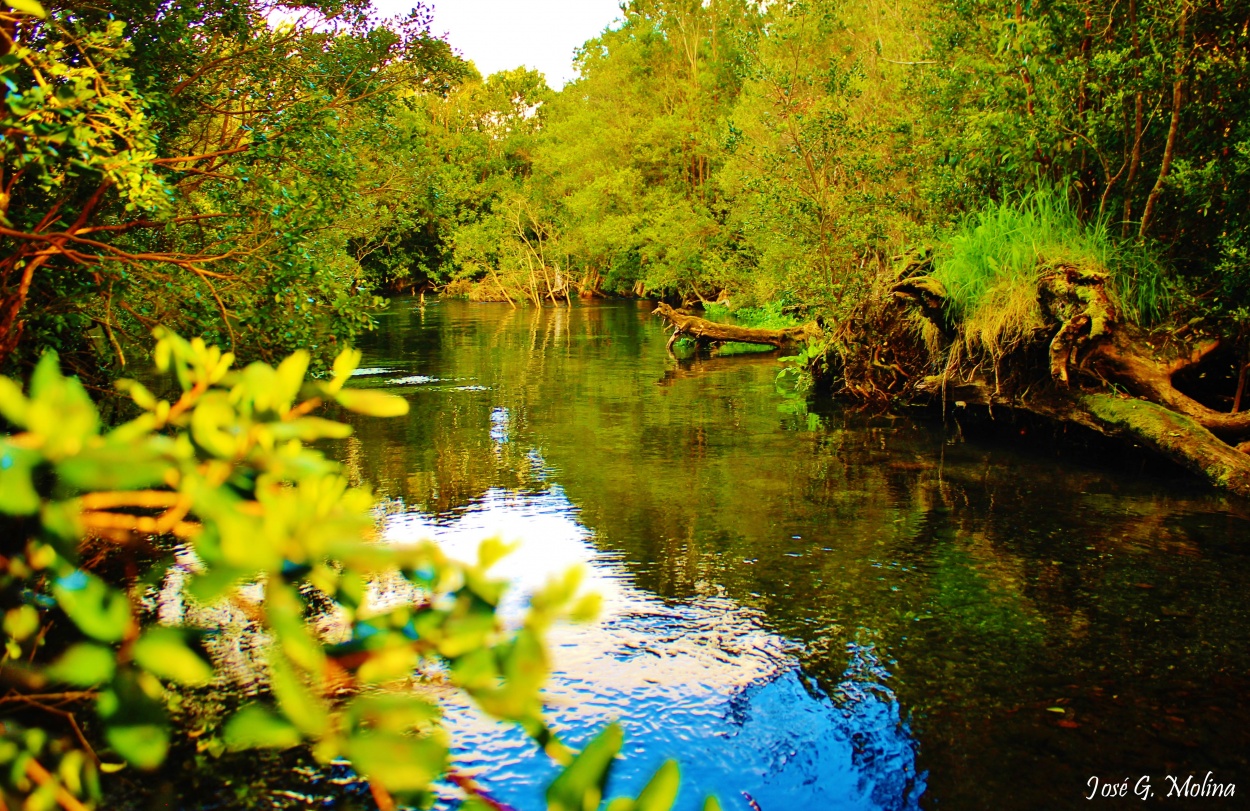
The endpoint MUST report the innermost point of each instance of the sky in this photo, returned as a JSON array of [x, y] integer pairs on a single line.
[[499, 34]]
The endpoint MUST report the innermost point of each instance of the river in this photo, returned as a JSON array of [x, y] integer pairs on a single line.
[[810, 607]]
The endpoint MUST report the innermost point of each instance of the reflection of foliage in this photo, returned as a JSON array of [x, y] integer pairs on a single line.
[[92, 517], [976, 601]]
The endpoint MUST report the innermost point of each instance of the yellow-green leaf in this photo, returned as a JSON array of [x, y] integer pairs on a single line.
[[661, 792], [27, 7], [142, 745], [164, 653], [580, 786], [255, 727], [13, 404], [98, 610], [17, 492], [84, 665], [372, 403], [402, 764]]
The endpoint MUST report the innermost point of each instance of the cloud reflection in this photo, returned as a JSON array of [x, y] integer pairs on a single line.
[[702, 681]]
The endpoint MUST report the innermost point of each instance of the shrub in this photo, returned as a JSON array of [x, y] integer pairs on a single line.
[[224, 471]]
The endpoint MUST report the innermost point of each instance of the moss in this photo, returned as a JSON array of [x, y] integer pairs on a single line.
[[1175, 435]]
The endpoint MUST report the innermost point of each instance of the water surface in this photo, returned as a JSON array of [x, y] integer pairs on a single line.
[[812, 608]]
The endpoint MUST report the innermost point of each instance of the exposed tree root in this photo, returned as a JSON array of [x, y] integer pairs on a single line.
[[1093, 357], [710, 332], [1145, 373]]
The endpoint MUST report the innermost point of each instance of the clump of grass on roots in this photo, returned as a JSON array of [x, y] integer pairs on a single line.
[[991, 265]]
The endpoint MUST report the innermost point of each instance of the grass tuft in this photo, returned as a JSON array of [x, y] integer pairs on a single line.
[[991, 264]]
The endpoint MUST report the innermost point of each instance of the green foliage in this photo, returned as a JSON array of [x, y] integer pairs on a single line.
[[222, 178], [223, 471], [990, 265], [1122, 107]]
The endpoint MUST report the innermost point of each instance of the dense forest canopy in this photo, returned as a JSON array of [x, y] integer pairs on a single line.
[[256, 171]]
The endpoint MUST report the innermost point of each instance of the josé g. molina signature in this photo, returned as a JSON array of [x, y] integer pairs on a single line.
[[1184, 786]]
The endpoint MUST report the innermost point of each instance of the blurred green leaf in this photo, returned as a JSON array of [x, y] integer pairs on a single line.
[[255, 727], [661, 791], [403, 764], [60, 411], [301, 707], [114, 467], [372, 403], [17, 491], [100, 611], [392, 712], [310, 429], [13, 404], [214, 425], [289, 376], [27, 7], [580, 786], [84, 665], [21, 622], [142, 745], [164, 653]]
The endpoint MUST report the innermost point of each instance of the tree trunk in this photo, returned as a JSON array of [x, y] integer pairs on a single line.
[[707, 332]]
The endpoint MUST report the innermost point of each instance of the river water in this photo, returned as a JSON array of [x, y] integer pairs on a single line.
[[808, 607]]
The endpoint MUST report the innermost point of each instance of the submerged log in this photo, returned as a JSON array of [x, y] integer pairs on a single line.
[[709, 332]]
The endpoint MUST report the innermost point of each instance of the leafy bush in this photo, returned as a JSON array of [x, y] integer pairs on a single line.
[[90, 517]]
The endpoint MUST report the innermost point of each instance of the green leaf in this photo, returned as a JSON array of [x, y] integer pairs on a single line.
[[310, 429], [98, 610], [580, 786], [214, 424], [164, 653], [392, 712], [61, 412], [255, 727], [21, 623], [290, 375], [138, 392], [402, 764], [113, 467], [84, 665], [211, 585], [344, 365], [303, 709], [17, 491], [27, 7], [372, 403], [63, 520], [142, 745], [13, 404], [661, 792]]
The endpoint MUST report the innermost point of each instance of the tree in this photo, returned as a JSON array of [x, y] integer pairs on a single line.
[[186, 163]]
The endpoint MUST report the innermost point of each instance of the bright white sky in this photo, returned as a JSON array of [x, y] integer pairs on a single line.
[[500, 34]]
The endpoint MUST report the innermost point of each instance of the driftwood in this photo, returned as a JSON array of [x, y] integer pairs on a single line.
[[706, 332], [1094, 357]]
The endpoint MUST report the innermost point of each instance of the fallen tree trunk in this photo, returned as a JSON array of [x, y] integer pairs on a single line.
[[1157, 428], [709, 332]]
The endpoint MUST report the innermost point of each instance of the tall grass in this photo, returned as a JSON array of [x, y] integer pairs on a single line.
[[991, 264]]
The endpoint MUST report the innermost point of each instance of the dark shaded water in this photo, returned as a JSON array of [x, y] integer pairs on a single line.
[[818, 609]]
